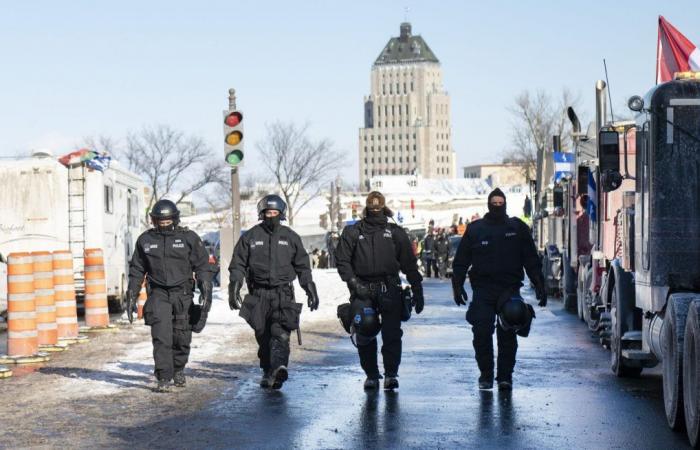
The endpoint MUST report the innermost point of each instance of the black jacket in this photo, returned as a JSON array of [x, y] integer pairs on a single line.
[[373, 253], [442, 247], [428, 245], [168, 259], [270, 259], [497, 250]]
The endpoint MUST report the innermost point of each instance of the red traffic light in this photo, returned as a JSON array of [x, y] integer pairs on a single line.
[[233, 119]]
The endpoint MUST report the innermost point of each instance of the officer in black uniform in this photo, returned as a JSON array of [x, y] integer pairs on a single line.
[[269, 256], [167, 255], [369, 256], [496, 248]]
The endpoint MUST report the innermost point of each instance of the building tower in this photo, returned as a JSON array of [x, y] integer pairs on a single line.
[[407, 114]]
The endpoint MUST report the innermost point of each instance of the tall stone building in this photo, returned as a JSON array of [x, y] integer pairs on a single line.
[[407, 114]]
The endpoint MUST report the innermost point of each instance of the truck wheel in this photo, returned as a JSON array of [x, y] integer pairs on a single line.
[[569, 283], [580, 293], [691, 374], [622, 321], [672, 336], [587, 300]]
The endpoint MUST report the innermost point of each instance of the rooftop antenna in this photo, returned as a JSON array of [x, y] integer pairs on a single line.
[[605, 66], [406, 9]]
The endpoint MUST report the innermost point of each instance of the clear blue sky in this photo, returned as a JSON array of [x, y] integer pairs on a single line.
[[77, 68]]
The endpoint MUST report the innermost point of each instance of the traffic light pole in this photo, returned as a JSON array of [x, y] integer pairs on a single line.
[[235, 183]]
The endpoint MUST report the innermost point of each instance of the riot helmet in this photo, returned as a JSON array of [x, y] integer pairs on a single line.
[[366, 323], [272, 201], [515, 314], [165, 210]]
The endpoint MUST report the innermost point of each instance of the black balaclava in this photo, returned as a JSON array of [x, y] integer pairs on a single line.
[[272, 223], [497, 212]]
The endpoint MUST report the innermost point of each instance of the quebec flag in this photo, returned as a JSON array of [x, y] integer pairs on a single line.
[[592, 208], [563, 165]]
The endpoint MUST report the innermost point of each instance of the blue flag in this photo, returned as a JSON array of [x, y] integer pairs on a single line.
[[592, 208], [399, 217]]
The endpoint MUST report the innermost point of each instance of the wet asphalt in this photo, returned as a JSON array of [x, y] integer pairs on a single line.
[[564, 396]]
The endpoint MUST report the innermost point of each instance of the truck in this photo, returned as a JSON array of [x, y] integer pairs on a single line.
[[46, 206], [639, 287]]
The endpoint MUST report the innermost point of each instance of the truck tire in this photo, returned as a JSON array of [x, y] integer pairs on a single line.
[[672, 337], [691, 374], [569, 283], [580, 292], [622, 321]]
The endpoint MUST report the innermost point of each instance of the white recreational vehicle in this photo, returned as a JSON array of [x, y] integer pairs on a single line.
[[47, 206]]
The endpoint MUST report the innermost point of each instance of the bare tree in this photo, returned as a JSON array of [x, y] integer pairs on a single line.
[[100, 144], [171, 162], [536, 118], [299, 166]]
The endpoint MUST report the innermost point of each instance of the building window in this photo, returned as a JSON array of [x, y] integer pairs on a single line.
[[404, 87], [397, 88], [386, 159], [414, 158], [109, 199], [411, 86], [414, 147], [372, 160]]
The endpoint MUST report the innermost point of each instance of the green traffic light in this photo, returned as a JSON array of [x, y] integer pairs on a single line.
[[234, 158]]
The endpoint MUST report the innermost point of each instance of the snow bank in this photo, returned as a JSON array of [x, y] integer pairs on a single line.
[[135, 367]]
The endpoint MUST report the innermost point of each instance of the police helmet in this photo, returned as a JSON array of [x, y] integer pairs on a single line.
[[165, 210], [514, 314], [365, 321], [272, 202]]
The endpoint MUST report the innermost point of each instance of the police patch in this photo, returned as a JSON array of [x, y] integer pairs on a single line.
[[283, 243]]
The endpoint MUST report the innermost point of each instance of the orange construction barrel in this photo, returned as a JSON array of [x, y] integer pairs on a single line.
[[142, 300], [64, 294], [96, 310], [44, 298], [22, 335]]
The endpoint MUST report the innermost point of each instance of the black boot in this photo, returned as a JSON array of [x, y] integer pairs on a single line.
[[279, 376], [179, 379]]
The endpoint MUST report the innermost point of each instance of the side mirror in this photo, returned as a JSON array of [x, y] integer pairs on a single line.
[[635, 103], [609, 159]]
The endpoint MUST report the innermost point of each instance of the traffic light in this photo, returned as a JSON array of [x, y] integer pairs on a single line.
[[323, 221], [354, 210], [233, 137]]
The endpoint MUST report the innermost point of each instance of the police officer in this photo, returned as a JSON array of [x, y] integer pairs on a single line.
[[167, 255], [370, 254], [268, 257], [496, 248]]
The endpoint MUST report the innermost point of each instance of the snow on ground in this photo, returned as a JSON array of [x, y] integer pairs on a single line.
[[223, 328]]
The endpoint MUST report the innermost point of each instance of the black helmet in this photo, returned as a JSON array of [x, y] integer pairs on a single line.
[[515, 314], [164, 210], [365, 321], [272, 202]]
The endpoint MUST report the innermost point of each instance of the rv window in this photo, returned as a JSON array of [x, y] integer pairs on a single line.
[[109, 199]]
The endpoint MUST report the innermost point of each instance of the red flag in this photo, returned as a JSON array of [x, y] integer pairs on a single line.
[[674, 53]]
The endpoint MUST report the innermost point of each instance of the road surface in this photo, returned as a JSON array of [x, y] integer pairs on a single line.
[[564, 396]]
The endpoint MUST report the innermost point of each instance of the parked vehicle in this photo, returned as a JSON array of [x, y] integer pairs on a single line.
[[639, 288], [46, 206]]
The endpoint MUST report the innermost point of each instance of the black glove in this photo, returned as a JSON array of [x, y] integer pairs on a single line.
[[358, 289], [131, 305], [541, 294], [205, 288], [234, 295], [311, 295], [418, 300], [458, 292]]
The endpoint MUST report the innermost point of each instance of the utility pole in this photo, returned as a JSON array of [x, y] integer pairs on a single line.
[[235, 182]]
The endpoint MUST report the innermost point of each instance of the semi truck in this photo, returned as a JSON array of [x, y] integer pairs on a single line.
[[638, 287], [46, 206]]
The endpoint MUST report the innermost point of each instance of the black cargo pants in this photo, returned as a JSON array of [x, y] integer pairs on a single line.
[[167, 313], [482, 316], [387, 298], [282, 318]]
